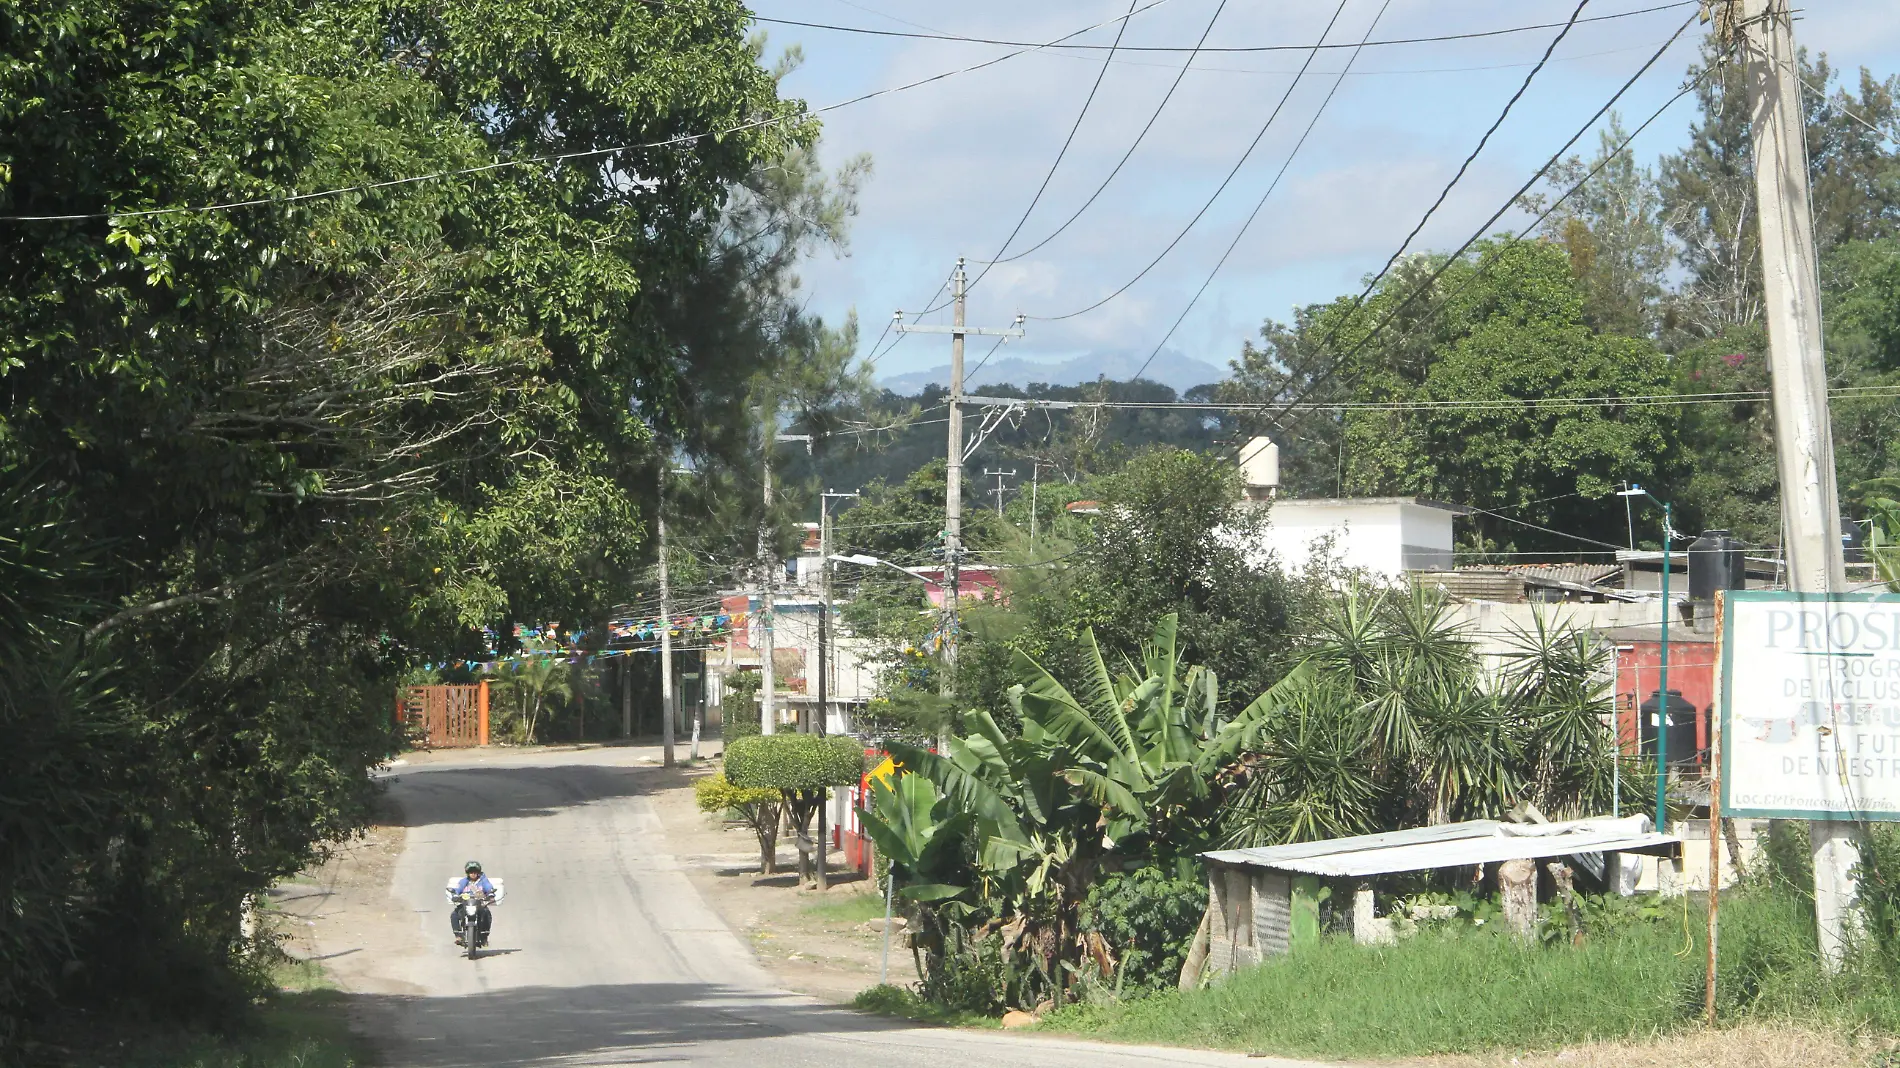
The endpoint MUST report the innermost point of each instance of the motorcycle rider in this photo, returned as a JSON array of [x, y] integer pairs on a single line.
[[473, 881]]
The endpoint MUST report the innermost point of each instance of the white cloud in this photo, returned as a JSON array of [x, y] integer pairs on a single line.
[[957, 161]]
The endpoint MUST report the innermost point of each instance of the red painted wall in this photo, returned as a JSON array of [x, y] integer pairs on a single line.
[[1638, 674]]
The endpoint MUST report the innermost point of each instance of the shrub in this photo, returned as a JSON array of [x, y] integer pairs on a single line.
[[794, 762], [1147, 917], [738, 711], [758, 808]]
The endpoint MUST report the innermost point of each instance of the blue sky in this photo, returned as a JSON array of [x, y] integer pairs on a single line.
[[956, 162]]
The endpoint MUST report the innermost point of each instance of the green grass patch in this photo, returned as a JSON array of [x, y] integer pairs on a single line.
[[904, 1004], [846, 908], [1436, 993], [1467, 990]]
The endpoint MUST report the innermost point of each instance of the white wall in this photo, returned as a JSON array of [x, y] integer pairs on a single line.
[[1385, 536]]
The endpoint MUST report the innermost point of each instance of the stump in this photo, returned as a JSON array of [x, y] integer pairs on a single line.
[[1517, 885]]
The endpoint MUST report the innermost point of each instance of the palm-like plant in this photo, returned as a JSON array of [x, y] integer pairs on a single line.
[[1557, 683], [528, 684], [1303, 770]]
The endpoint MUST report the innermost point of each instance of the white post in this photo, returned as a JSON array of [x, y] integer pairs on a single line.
[[768, 704], [1804, 443], [666, 643]]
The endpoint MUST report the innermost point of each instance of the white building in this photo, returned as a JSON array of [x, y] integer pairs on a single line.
[[1387, 536]]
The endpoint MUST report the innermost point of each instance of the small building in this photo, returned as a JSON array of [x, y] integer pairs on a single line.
[[1387, 536], [1263, 901]]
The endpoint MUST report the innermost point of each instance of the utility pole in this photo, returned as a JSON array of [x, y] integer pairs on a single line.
[[953, 475], [768, 579], [1035, 482], [666, 635], [1804, 443], [824, 608], [1000, 474]]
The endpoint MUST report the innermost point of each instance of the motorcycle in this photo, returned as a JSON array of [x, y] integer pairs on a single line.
[[470, 907]]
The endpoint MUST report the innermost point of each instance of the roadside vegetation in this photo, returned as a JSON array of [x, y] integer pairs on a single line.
[[259, 466]]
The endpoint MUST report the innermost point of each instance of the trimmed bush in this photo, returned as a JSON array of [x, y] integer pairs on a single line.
[[793, 762], [758, 808]]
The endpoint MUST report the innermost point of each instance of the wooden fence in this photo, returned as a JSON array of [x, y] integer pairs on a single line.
[[446, 717]]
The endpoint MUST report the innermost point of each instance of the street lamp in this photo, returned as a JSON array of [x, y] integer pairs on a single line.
[[1662, 709], [866, 560]]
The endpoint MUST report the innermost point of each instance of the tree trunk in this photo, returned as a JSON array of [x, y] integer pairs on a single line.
[[1517, 885], [1196, 961]]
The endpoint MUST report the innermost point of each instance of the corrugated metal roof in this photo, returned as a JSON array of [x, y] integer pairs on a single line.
[[1453, 845]]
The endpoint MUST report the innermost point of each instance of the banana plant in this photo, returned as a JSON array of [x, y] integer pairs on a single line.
[[909, 822]]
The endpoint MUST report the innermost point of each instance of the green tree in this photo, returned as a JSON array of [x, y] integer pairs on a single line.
[[1611, 227], [327, 438]]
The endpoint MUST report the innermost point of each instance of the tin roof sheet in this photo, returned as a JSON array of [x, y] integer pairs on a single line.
[[1453, 845]]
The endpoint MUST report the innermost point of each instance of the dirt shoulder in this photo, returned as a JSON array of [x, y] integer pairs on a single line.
[[825, 944]]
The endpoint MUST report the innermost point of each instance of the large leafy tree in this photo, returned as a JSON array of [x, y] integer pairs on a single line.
[[310, 436], [1458, 365]]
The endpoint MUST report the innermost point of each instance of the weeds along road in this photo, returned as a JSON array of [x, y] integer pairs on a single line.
[[603, 952]]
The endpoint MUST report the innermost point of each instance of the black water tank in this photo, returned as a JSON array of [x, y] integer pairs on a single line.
[[1715, 563], [1682, 747], [1853, 541]]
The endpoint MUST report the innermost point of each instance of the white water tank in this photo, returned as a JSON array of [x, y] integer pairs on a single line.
[[1260, 464]]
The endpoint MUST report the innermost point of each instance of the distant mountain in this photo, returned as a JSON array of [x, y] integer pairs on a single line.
[[1171, 369]]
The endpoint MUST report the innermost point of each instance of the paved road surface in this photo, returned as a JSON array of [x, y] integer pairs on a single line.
[[603, 952]]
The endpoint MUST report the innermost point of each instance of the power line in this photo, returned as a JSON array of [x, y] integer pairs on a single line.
[[1480, 404], [1238, 164], [561, 157], [1478, 234], [965, 39], [1179, 76], [1262, 202], [1060, 153], [1466, 165]]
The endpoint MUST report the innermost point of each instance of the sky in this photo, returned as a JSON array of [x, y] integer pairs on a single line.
[[955, 163]]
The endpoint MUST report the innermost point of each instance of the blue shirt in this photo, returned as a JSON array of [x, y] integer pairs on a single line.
[[480, 882]]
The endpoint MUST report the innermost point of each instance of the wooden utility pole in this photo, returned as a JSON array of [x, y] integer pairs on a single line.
[[1804, 441], [953, 475]]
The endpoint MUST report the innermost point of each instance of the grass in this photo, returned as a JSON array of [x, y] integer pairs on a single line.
[[904, 1004], [848, 908], [1477, 990]]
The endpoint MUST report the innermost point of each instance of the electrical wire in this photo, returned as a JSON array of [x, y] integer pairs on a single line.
[[1179, 77], [561, 157], [1515, 198], [1222, 188], [1262, 202], [984, 360], [1469, 159], [964, 39], [1062, 152], [1483, 404]]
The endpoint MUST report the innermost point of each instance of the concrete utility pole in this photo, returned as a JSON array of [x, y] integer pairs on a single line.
[[953, 476], [1000, 475], [767, 582], [1804, 441], [666, 637], [824, 608], [768, 579]]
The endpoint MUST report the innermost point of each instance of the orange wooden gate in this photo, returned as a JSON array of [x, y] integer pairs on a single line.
[[447, 717]]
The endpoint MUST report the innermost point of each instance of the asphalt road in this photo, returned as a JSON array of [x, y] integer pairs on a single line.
[[603, 952]]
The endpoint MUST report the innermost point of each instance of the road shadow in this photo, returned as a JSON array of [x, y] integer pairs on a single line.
[[425, 796], [621, 1023]]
